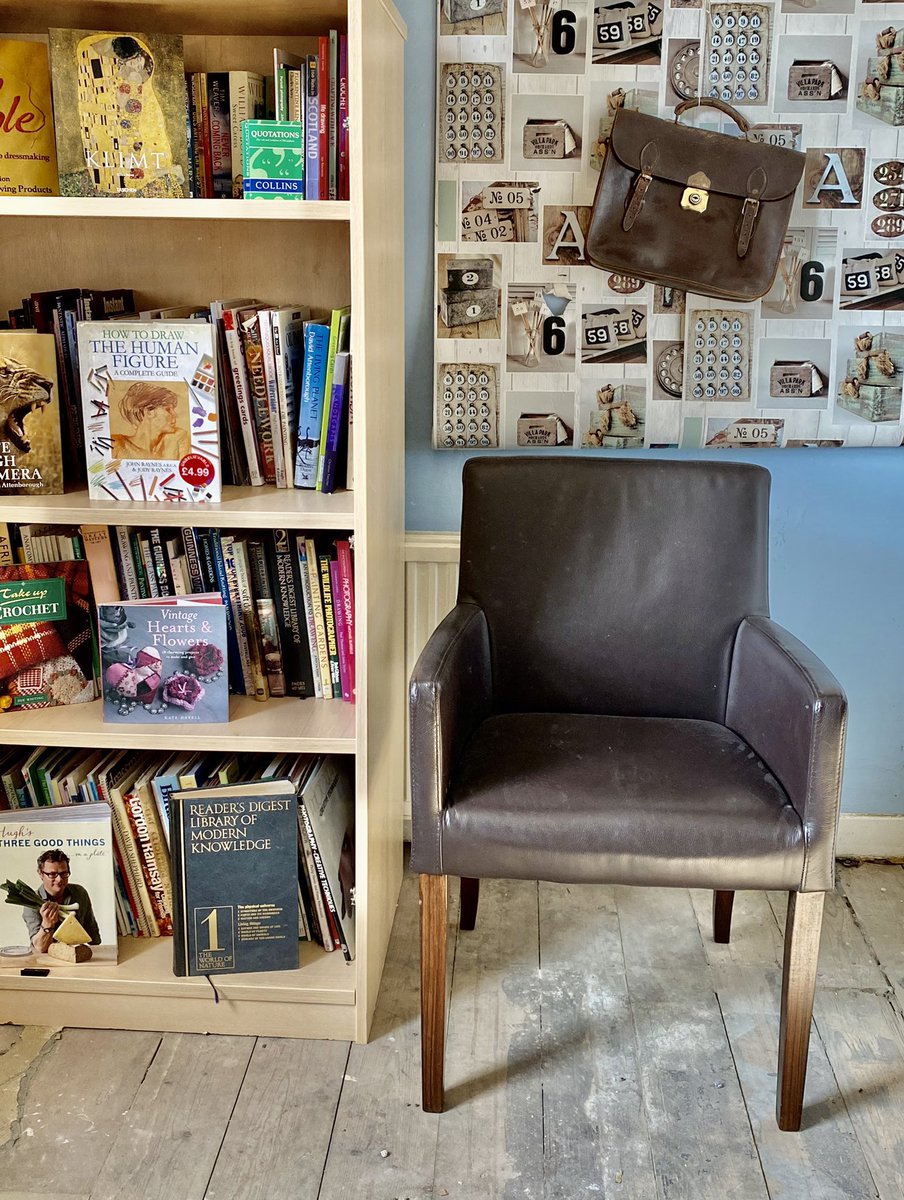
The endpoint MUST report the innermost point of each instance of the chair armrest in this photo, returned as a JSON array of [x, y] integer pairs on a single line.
[[792, 712], [450, 694]]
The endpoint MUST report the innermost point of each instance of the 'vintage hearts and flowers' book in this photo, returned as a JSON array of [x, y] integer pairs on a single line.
[[164, 660]]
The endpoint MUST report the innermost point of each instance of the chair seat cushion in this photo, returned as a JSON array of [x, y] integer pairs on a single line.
[[578, 798]]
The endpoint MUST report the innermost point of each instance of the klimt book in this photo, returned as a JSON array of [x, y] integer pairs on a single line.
[[31, 457], [119, 104], [164, 661], [27, 149], [47, 647], [235, 878], [62, 856], [149, 395]]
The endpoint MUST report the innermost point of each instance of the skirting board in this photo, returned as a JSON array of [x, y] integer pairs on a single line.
[[431, 582]]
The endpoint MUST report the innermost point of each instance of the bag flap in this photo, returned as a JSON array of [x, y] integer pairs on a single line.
[[682, 151]]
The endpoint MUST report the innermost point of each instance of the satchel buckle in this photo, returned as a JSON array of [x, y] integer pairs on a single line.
[[695, 199]]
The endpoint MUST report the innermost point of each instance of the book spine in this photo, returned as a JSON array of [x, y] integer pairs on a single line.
[[220, 136], [312, 131], [128, 579], [150, 570], [337, 414], [101, 564], [246, 99], [294, 107], [284, 397], [332, 912], [198, 103], [271, 648], [193, 189], [136, 557], [209, 581], [329, 620], [242, 396], [281, 92], [287, 595], [318, 899], [323, 114], [235, 660], [177, 870], [332, 348], [347, 601], [152, 860], [235, 465], [160, 565], [266, 325], [333, 171], [308, 599], [192, 559], [341, 629], [247, 614], [343, 154], [310, 408], [204, 94], [227, 556], [250, 334], [323, 657]]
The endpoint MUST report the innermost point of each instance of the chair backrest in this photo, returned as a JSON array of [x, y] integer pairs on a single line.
[[613, 586]]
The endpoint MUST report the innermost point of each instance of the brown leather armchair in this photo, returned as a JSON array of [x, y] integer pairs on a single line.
[[609, 702]]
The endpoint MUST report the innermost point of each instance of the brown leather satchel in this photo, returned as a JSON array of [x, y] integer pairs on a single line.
[[692, 209]]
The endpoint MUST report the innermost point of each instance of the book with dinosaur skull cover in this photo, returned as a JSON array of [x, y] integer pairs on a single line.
[[31, 457]]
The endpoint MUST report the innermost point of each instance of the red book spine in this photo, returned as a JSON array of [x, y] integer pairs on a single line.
[[323, 104]]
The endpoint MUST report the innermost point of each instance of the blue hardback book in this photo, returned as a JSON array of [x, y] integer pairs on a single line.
[[338, 416], [310, 403], [235, 878], [311, 102], [164, 661]]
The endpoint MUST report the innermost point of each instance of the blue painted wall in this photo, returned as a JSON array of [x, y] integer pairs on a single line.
[[837, 557]]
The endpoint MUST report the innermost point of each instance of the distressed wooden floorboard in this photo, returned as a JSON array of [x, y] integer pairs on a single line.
[[168, 1141], [490, 1140], [70, 1108], [876, 894], [380, 1106], [594, 1122]]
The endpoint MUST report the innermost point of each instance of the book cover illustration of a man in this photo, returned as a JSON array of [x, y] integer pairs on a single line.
[[150, 420]]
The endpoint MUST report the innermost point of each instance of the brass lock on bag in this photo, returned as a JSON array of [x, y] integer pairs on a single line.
[[696, 195]]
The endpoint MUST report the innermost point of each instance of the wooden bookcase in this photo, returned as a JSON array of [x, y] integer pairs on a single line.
[[324, 254]]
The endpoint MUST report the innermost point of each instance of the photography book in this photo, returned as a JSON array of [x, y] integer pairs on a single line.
[[235, 878], [149, 395], [47, 646], [83, 834], [31, 456], [119, 101], [164, 661]]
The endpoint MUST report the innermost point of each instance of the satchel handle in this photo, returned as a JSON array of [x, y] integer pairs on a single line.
[[742, 123]]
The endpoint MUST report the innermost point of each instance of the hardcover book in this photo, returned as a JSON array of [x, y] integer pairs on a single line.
[[27, 149], [47, 648], [149, 396], [119, 100], [235, 878], [31, 457], [75, 843], [164, 661], [327, 807]]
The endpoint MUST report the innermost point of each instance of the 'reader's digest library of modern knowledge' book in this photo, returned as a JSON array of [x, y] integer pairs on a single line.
[[235, 878], [149, 395]]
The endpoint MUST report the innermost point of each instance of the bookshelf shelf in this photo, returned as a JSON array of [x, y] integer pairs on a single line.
[[240, 508], [176, 210], [315, 726], [325, 255]]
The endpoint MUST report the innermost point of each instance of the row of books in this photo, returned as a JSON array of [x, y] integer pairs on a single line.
[[288, 600], [125, 119], [168, 404], [154, 800]]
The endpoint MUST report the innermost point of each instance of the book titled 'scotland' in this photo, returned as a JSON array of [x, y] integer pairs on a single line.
[[235, 878]]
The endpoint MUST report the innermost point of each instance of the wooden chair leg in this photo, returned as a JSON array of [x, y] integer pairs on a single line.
[[802, 929], [722, 905], [467, 909], [434, 909]]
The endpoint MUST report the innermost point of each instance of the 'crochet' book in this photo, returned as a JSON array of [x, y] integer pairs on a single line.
[[47, 647]]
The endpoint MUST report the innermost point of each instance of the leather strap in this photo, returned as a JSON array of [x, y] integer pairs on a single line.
[[634, 204], [742, 123], [756, 185]]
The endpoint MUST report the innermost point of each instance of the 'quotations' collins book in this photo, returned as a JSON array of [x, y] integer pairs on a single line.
[[28, 165], [31, 459], [119, 101], [235, 878], [164, 661], [149, 396]]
